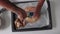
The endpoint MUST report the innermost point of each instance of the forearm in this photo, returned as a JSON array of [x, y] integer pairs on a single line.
[[10, 6], [39, 6]]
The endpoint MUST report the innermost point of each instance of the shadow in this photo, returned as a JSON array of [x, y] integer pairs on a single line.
[[52, 3]]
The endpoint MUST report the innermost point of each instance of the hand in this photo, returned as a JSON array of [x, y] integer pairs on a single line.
[[18, 23], [21, 15]]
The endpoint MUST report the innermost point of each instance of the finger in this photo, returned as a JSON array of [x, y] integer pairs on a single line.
[[20, 17]]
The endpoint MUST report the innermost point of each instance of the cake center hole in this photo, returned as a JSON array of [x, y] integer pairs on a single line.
[[30, 14]]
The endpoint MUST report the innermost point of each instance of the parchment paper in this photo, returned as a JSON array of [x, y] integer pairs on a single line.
[[44, 19]]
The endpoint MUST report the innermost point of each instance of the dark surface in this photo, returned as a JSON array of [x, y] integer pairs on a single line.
[[33, 29]]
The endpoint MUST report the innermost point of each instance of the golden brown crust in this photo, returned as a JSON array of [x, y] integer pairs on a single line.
[[30, 9]]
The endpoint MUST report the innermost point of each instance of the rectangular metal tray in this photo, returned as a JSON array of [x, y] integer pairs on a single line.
[[47, 27]]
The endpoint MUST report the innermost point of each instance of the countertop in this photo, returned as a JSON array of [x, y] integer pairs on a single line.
[[55, 10]]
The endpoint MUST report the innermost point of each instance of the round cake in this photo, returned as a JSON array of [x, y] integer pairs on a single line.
[[30, 13]]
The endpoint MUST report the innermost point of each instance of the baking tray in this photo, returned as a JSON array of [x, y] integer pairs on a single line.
[[47, 27]]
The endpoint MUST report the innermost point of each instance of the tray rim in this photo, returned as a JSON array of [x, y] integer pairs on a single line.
[[48, 27]]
